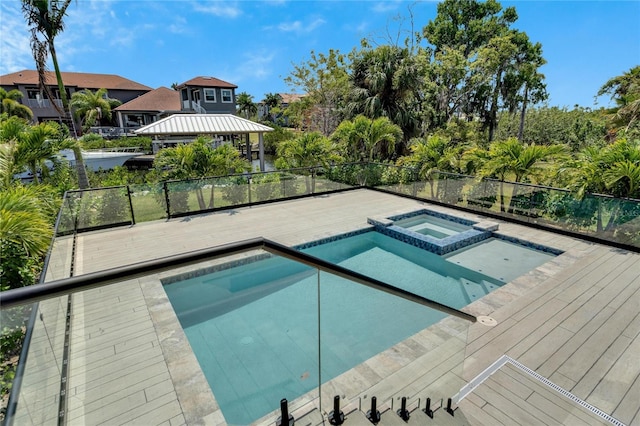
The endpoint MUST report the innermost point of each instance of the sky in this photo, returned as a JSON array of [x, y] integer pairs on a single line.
[[254, 44]]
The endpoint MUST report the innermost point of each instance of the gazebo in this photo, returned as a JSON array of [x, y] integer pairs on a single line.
[[192, 125]]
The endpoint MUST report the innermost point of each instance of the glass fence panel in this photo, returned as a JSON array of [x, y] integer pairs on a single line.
[[39, 396], [399, 180], [266, 187], [252, 324], [626, 223], [480, 194], [325, 183], [416, 355], [149, 202], [230, 191], [190, 196], [293, 185], [68, 213], [102, 208], [60, 258]]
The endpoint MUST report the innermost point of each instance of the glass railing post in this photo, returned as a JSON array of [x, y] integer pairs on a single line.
[[165, 190], [133, 217]]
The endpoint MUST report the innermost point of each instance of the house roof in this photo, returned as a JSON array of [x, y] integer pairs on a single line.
[[288, 98], [160, 99], [202, 124], [73, 79], [208, 82]]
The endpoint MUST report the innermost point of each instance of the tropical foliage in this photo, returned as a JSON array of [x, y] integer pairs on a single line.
[[245, 104], [9, 104], [367, 139], [46, 21], [90, 108]]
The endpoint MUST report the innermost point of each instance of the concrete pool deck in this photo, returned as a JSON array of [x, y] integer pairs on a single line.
[[574, 320]]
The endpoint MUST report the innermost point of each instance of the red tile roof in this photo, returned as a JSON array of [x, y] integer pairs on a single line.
[[161, 99], [208, 82], [73, 79]]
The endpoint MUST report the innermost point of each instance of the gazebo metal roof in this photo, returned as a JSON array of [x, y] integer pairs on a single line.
[[202, 124]]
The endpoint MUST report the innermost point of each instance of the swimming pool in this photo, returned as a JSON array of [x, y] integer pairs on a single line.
[[254, 328]]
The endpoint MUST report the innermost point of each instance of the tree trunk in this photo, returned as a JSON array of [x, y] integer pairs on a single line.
[[522, 114], [83, 180], [493, 113]]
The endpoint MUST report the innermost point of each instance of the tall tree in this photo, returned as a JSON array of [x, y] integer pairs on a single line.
[[385, 83], [480, 64], [90, 107], [272, 103], [625, 91], [246, 105], [324, 81], [45, 17], [9, 104]]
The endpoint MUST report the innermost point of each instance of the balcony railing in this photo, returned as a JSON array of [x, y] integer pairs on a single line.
[[606, 219]]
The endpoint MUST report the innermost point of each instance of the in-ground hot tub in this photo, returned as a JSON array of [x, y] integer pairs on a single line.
[[436, 232]]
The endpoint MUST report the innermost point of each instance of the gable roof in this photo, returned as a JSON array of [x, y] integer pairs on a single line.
[[161, 99], [73, 79], [202, 124], [208, 82]]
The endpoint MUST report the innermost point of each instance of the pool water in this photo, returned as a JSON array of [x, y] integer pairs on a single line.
[[433, 226], [254, 328]]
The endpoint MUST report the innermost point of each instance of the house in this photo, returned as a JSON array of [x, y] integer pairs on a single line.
[[286, 99], [27, 82], [148, 108], [207, 95]]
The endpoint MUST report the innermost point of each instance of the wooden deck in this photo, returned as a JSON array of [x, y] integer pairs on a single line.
[[574, 320]]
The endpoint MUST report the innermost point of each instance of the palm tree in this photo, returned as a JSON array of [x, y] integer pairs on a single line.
[[510, 158], [199, 160], [9, 104], [36, 145], [90, 107], [45, 17], [246, 105], [26, 213], [307, 151], [367, 139], [272, 102], [625, 91], [385, 84]]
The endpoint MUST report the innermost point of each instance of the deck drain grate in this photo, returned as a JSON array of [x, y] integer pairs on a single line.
[[480, 378]]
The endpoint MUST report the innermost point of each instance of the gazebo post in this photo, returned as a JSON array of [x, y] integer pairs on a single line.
[[261, 151], [247, 145]]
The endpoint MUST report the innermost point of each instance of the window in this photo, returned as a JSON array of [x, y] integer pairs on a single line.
[[227, 96], [33, 93], [209, 95]]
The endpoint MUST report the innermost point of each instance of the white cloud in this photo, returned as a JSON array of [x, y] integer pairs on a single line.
[[179, 26], [387, 6], [15, 49], [300, 28], [219, 8], [255, 65]]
